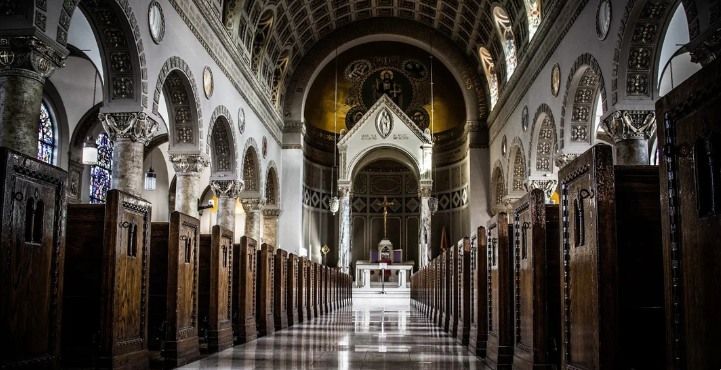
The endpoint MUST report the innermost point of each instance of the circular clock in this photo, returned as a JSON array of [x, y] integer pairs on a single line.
[[208, 84], [241, 121], [555, 79], [603, 19], [156, 22]]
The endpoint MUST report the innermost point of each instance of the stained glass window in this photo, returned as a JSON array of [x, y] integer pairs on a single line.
[[100, 172], [46, 136]]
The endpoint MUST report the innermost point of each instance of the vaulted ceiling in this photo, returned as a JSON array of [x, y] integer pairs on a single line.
[[275, 35]]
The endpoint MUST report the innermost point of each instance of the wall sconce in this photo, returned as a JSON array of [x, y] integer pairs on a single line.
[[210, 204], [150, 179], [90, 151]]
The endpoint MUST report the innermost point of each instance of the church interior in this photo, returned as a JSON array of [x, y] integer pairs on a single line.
[[346, 184]]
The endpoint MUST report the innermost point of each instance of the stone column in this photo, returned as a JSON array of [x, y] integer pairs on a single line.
[[344, 252], [424, 239], [25, 63], [270, 226], [548, 185], [187, 184], [227, 192], [253, 208], [631, 131], [129, 133]]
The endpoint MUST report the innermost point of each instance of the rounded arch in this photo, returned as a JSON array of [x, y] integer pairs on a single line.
[[584, 85], [372, 30], [177, 84], [121, 45], [222, 148], [498, 185], [533, 16], [489, 69], [545, 138], [385, 151], [251, 166], [504, 27], [262, 36], [517, 167], [272, 186]]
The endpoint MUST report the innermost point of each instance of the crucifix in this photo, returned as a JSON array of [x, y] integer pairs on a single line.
[[385, 205]]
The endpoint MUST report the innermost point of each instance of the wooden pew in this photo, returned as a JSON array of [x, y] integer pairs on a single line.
[[447, 286], [326, 289], [173, 298], [499, 348], [216, 289], [303, 287], [310, 291], [32, 250], [317, 279], [454, 287], [443, 302], [478, 336], [612, 277], [688, 129], [464, 296], [437, 309], [536, 281], [264, 292], [280, 291], [106, 290], [245, 267], [292, 289]]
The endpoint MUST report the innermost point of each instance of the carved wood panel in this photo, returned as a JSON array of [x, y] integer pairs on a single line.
[[499, 347], [479, 293], [244, 264]]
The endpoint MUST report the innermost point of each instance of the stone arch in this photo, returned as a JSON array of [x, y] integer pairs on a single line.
[[221, 143], [585, 82], [272, 186], [251, 166], [177, 84], [504, 27], [121, 46], [279, 75], [498, 184], [546, 139], [261, 37], [517, 167]]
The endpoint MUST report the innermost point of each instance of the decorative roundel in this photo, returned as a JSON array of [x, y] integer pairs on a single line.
[[504, 146], [357, 69], [241, 121], [353, 116], [603, 19], [208, 83], [420, 117], [524, 119], [156, 22], [415, 69], [555, 79], [264, 149]]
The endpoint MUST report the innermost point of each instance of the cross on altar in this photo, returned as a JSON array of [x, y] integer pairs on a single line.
[[385, 205]]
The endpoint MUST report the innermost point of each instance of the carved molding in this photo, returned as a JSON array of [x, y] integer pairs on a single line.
[[227, 188], [135, 126], [252, 205], [188, 163], [29, 56], [272, 212], [630, 125], [547, 185]]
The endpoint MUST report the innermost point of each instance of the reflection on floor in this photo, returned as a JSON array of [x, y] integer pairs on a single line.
[[369, 336]]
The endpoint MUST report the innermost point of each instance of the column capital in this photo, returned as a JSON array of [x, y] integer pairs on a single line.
[[134, 126], [188, 163], [272, 212], [343, 191], [630, 124], [30, 56], [562, 159], [227, 188], [546, 184], [252, 204]]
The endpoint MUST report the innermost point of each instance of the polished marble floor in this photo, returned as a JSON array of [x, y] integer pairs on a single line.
[[367, 336]]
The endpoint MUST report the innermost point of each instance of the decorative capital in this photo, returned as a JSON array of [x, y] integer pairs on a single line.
[[547, 185], [29, 56], [227, 188], [252, 204], [343, 191], [631, 124], [425, 191], [271, 212], [189, 163], [135, 126], [562, 159]]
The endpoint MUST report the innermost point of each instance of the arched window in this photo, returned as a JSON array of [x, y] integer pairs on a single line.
[[505, 31], [46, 135], [533, 13], [100, 172], [489, 67]]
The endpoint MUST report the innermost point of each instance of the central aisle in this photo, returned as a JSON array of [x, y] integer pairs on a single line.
[[370, 336]]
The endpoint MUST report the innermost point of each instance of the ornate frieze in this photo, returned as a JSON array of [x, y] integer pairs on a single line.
[[135, 126], [630, 124], [29, 56], [188, 163]]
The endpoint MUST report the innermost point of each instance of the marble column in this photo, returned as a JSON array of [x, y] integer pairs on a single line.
[[130, 132], [270, 226], [424, 239], [227, 192], [345, 229], [253, 208], [187, 184], [25, 63], [631, 131]]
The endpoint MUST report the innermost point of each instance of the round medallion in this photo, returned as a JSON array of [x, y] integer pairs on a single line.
[[603, 19], [555, 79], [420, 117], [353, 116], [357, 69], [524, 119], [264, 149], [241, 121], [156, 22], [415, 69], [504, 146], [208, 84]]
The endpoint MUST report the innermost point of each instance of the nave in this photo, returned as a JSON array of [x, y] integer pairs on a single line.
[[362, 337]]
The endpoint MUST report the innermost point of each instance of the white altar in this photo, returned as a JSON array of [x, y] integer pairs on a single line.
[[363, 275]]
